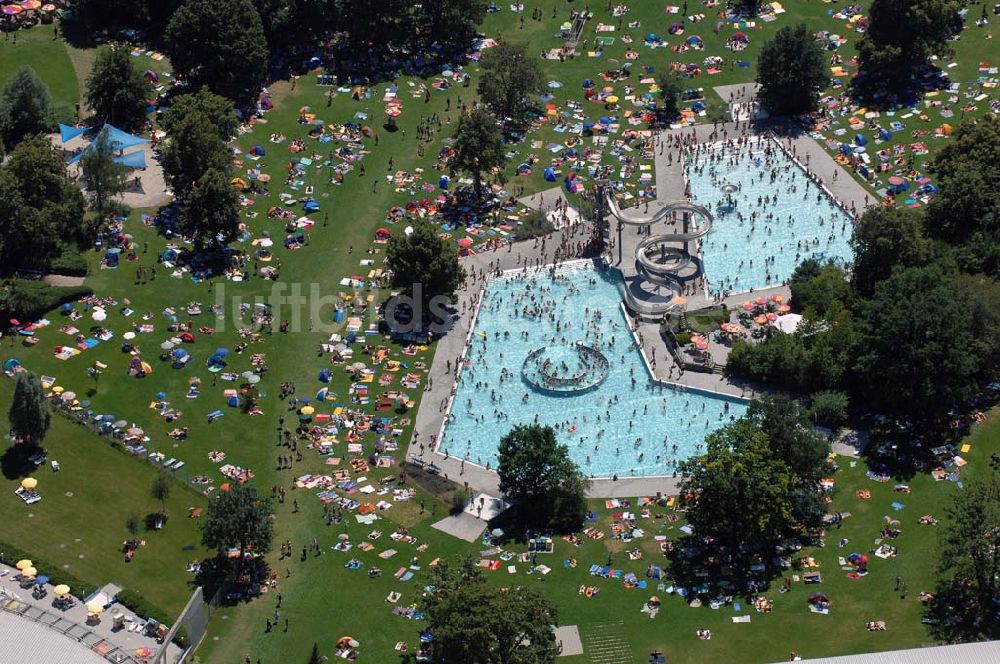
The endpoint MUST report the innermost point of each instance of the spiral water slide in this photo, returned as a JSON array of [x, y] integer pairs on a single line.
[[657, 258]]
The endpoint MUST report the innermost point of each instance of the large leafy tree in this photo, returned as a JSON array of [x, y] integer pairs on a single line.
[[900, 37], [791, 71], [479, 145], [450, 22], [41, 209], [194, 146], [541, 480], [966, 212], [755, 486], [819, 291], [29, 412], [510, 77], [117, 92], [969, 564], [372, 25], [215, 109], [210, 214], [927, 339], [671, 86], [883, 240], [103, 176], [25, 106], [239, 517], [478, 623], [425, 263], [220, 44]]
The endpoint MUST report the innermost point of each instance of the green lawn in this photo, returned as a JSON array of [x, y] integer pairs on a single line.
[[80, 522], [322, 599], [38, 47]]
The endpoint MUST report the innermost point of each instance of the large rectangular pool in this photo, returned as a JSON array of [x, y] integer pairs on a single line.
[[769, 216], [523, 366]]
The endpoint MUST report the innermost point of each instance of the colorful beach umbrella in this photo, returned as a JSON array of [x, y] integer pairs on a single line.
[[62, 590], [11, 10]]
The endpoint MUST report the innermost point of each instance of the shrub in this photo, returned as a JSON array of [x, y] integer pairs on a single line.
[[71, 263], [534, 224], [829, 408], [683, 338], [459, 499], [25, 299]]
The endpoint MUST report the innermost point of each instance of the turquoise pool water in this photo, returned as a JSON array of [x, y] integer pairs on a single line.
[[780, 217], [623, 426]]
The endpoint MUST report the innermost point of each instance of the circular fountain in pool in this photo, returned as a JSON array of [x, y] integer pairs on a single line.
[[565, 369]]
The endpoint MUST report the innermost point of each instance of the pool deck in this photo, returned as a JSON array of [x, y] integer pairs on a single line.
[[670, 187]]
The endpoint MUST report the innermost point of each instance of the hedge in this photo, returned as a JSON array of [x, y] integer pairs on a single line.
[[71, 263], [27, 300], [10, 554]]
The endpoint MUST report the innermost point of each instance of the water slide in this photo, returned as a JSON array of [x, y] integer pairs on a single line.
[[657, 258]]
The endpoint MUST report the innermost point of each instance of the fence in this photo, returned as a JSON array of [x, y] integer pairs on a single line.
[[194, 619]]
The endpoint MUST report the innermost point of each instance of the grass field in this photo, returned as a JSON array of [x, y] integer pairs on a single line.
[[322, 599], [38, 48]]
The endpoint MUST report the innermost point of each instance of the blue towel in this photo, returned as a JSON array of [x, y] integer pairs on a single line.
[[897, 506], [736, 607]]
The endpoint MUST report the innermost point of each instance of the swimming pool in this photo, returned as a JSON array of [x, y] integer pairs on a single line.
[[759, 242], [621, 425]]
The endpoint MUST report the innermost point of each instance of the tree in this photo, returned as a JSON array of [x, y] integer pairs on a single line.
[[424, 264], [160, 490], [969, 564], [509, 78], [541, 481], [884, 239], [926, 339], [821, 289], [102, 175], [193, 148], [671, 85], [41, 209], [132, 524], [966, 212], [479, 145], [29, 412], [478, 623], [372, 26], [749, 492], [25, 106], [451, 22], [215, 109], [117, 92], [791, 72], [210, 214], [900, 37], [314, 656], [239, 517], [220, 44], [828, 407]]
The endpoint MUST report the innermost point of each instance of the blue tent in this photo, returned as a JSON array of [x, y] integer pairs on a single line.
[[11, 364], [178, 353], [132, 160], [67, 133], [549, 174], [311, 205], [444, 182], [118, 140], [859, 139], [324, 376], [884, 134]]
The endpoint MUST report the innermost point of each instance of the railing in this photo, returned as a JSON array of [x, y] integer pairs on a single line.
[[79, 633]]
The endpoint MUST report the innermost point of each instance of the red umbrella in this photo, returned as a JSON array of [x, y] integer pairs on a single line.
[[465, 242], [31, 4], [12, 10]]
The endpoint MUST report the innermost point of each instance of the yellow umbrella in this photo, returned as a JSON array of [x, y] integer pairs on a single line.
[[58, 389], [95, 607], [24, 564], [62, 589], [307, 410], [613, 99], [29, 483], [29, 572]]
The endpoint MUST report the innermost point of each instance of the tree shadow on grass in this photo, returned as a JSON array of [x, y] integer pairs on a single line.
[[15, 462]]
